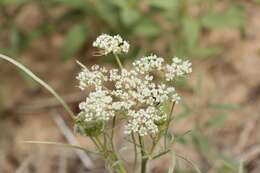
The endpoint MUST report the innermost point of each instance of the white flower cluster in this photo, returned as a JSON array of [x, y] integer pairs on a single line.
[[149, 63], [111, 44], [97, 106], [134, 93], [95, 77], [177, 68], [144, 121]]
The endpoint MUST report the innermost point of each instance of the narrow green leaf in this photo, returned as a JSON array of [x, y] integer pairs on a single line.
[[164, 4], [216, 120], [205, 52], [241, 167], [191, 29], [129, 16], [14, 39], [233, 17], [160, 154], [147, 28], [191, 163], [74, 40], [173, 162]]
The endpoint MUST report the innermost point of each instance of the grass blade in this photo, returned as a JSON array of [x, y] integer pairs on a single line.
[[173, 163], [196, 168], [38, 80]]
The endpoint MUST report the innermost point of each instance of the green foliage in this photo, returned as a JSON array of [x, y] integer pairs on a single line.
[[73, 41], [92, 128], [233, 17], [171, 21]]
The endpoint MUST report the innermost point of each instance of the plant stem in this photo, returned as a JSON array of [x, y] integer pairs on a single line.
[[167, 126], [112, 133], [121, 169], [143, 155], [135, 150], [118, 61]]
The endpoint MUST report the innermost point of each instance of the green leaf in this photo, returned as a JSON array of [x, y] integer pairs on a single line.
[[205, 52], [164, 4], [74, 40], [191, 30], [256, 1], [12, 2], [74, 3], [147, 28], [216, 120], [229, 165], [15, 39], [129, 16], [107, 11], [201, 143], [233, 17]]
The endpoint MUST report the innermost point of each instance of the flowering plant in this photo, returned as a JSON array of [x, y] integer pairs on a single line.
[[134, 99]]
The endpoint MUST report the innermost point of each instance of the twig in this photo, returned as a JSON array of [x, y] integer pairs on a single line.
[[250, 155], [24, 164], [87, 162], [63, 163], [244, 136]]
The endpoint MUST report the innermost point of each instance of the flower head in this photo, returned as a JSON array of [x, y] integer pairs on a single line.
[[111, 44], [97, 106], [137, 95], [148, 63], [177, 68]]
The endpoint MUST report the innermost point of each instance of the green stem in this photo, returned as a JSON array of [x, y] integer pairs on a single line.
[[167, 126], [120, 167], [135, 150], [118, 61], [143, 155], [155, 142], [112, 133]]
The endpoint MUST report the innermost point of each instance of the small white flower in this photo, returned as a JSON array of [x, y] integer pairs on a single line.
[[143, 121], [97, 106], [111, 44], [148, 63], [94, 77], [177, 68]]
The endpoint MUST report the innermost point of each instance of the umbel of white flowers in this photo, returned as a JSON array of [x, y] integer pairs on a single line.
[[111, 44], [135, 95]]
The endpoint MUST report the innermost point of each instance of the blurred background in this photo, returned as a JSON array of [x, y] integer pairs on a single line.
[[217, 123]]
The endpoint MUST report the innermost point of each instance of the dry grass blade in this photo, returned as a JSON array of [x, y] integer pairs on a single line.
[[72, 140], [22, 168]]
